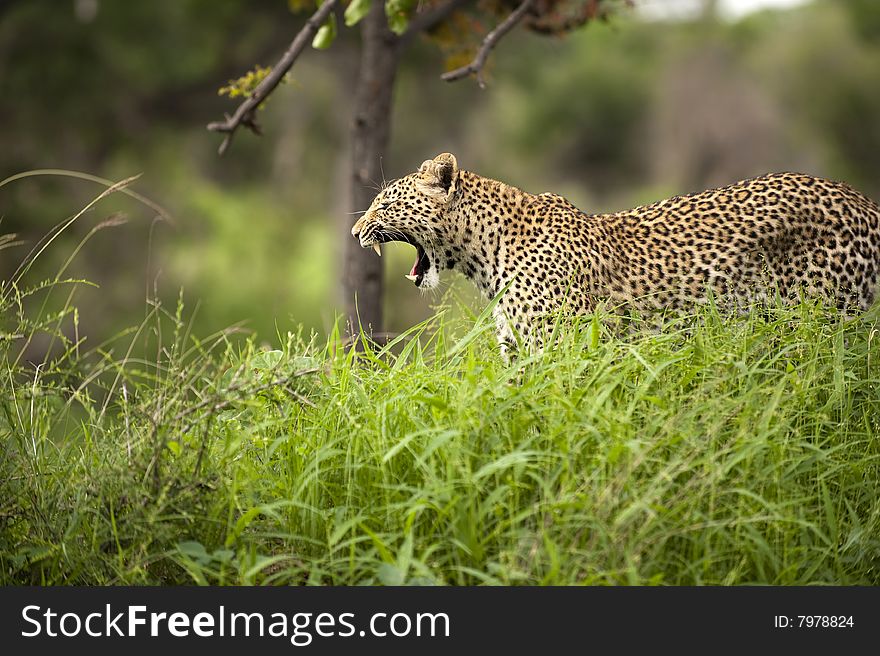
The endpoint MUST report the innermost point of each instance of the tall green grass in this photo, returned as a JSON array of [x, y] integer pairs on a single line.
[[715, 450]]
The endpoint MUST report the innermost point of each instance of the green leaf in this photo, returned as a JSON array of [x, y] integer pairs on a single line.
[[223, 555], [594, 332], [355, 11], [267, 359], [195, 550], [384, 553], [390, 575], [397, 12], [325, 36]]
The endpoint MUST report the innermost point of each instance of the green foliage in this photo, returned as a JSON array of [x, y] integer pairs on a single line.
[[326, 34], [597, 130], [865, 15], [233, 279], [246, 84], [398, 13], [355, 11], [715, 450]]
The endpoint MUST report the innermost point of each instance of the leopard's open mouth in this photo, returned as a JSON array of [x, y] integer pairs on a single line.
[[422, 264]]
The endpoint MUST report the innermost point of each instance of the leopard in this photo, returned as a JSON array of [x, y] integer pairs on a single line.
[[777, 236]]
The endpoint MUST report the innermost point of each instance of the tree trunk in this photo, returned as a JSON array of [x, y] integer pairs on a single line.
[[370, 132]]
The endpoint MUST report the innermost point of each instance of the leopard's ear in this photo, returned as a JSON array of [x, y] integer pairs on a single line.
[[446, 166], [440, 171]]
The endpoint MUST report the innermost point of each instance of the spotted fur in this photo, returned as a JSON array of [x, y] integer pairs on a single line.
[[775, 235]]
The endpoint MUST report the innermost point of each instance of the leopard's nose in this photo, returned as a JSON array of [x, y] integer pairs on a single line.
[[356, 228]]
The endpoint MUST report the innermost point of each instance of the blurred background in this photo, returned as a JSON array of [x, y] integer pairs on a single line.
[[669, 97]]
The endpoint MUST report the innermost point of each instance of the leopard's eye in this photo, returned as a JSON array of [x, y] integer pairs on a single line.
[[387, 204]]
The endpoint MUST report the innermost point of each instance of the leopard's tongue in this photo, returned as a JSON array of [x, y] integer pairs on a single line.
[[420, 268]]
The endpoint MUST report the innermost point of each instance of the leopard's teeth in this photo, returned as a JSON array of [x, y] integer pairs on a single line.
[[410, 278], [378, 249]]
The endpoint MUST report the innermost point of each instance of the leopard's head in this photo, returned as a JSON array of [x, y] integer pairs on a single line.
[[413, 209]]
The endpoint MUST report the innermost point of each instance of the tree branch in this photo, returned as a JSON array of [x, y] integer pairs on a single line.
[[428, 20], [244, 115], [491, 40], [555, 24]]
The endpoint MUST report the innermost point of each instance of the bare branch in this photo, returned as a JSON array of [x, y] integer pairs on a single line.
[[428, 20], [245, 114], [491, 40]]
